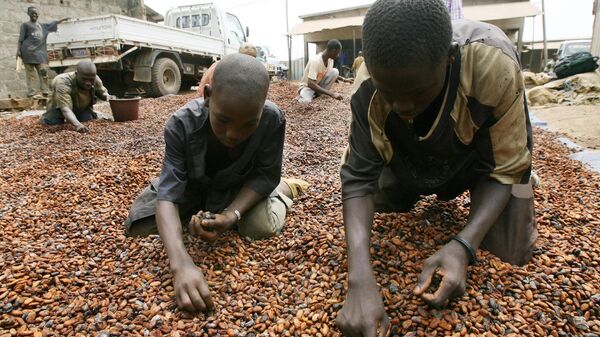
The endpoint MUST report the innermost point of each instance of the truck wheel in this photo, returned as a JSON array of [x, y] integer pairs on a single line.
[[166, 78]]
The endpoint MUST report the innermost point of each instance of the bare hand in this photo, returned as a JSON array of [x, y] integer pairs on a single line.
[[450, 262], [363, 313], [82, 129], [191, 290], [337, 96], [209, 226]]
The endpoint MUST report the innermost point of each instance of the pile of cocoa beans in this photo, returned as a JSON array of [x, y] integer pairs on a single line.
[[67, 269]]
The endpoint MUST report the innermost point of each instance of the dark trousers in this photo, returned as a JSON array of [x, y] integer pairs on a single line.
[[513, 235], [85, 116]]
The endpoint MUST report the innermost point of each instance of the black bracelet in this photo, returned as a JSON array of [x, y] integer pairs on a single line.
[[467, 247]]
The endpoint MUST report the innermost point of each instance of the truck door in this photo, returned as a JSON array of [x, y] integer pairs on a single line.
[[235, 34]]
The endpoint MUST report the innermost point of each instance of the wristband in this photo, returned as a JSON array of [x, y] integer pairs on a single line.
[[237, 213], [467, 246]]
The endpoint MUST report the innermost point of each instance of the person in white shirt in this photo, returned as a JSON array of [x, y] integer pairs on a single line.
[[320, 74]]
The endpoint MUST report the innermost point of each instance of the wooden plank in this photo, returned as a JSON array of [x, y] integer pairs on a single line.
[[16, 103]]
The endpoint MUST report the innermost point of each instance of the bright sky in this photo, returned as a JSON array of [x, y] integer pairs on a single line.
[[565, 19], [266, 18]]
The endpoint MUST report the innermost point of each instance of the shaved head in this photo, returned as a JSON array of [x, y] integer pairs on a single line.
[[86, 66], [241, 76], [86, 74], [239, 91]]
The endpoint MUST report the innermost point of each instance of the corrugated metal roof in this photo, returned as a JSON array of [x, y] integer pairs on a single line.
[[335, 11], [492, 12], [500, 11], [325, 24]]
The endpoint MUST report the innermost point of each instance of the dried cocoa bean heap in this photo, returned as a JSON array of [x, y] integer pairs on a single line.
[[66, 268]]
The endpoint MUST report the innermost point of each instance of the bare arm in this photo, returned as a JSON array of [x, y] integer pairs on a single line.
[[191, 290], [318, 89], [171, 233], [488, 200], [22, 33], [358, 217], [363, 313], [71, 118]]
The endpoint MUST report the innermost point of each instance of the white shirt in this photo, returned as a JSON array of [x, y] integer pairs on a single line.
[[315, 69]]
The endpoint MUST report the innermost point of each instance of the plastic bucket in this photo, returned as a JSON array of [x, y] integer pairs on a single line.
[[125, 109]]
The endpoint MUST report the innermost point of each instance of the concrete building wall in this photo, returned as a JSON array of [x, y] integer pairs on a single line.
[[14, 12]]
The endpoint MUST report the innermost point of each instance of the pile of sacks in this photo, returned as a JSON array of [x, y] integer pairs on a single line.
[[577, 89]]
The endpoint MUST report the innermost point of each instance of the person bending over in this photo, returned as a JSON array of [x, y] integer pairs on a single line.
[[438, 109], [221, 171], [73, 96], [319, 74]]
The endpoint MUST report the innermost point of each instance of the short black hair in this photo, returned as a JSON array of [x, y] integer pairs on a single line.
[[400, 32], [30, 8], [334, 44], [241, 75]]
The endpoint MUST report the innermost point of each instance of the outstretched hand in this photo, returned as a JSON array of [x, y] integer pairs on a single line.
[[191, 290], [82, 129], [363, 313], [450, 262]]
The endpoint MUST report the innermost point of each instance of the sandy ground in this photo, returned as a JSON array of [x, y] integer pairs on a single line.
[[581, 123]]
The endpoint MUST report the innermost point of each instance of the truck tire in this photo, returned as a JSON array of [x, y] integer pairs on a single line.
[[166, 78]]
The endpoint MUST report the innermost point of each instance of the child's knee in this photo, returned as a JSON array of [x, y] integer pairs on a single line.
[[266, 219], [141, 228]]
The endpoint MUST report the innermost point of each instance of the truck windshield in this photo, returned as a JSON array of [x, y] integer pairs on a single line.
[[235, 28], [577, 47]]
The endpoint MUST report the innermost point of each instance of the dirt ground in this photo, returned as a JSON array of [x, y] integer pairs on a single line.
[[580, 123]]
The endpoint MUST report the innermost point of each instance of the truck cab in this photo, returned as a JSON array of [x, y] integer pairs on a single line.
[[204, 19]]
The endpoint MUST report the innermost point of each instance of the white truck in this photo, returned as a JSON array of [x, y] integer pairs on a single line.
[[140, 57]]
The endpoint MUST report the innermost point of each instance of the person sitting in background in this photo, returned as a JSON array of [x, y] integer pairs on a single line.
[[72, 97], [221, 171], [246, 48], [319, 74]]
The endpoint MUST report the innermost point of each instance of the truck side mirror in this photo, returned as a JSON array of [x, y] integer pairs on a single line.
[[247, 31]]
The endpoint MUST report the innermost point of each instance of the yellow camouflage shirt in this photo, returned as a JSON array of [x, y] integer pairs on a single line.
[[65, 93], [481, 128]]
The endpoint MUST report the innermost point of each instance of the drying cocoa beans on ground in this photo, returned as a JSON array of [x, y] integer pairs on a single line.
[[66, 268]]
